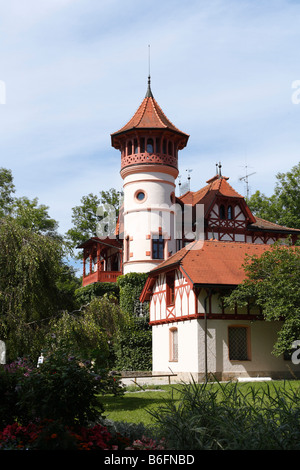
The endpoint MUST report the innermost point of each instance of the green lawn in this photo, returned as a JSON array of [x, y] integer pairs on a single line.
[[133, 406]]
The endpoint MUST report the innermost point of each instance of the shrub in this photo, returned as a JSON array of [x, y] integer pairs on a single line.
[[64, 389], [10, 377], [53, 435]]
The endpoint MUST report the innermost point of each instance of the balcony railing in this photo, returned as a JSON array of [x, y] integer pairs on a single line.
[[101, 276]]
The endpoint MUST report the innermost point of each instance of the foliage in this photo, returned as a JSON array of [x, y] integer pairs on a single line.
[[273, 280], [65, 389], [131, 286], [84, 295], [53, 435], [30, 265], [86, 217], [90, 331], [283, 207], [22, 210], [34, 217], [227, 418], [10, 376], [134, 347], [7, 188]]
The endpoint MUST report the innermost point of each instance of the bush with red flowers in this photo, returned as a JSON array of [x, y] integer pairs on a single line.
[[52, 435]]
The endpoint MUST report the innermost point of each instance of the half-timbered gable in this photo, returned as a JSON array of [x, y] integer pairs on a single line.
[[227, 216]]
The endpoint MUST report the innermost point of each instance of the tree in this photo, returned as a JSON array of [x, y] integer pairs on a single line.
[[29, 214], [90, 331], [283, 207], [7, 188], [86, 216], [273, 282], [30, 266], [34, 217]]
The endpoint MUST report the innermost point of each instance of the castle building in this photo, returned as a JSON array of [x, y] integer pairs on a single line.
[[193, 247]]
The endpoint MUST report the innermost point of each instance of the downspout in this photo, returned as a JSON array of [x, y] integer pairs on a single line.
[[205, 335]]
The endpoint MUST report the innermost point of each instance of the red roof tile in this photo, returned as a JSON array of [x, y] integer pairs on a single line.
[[149, 115], [213, 262]]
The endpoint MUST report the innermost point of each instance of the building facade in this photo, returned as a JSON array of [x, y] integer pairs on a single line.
[[193, 247]]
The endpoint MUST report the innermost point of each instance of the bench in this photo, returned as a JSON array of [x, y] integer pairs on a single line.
[[135, 377]]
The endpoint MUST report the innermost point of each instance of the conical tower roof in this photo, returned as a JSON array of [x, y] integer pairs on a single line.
[[149, 115]]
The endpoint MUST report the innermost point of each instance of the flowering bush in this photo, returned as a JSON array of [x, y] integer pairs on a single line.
[[10, 377], [52, 435], [64, 389], [145, 443]]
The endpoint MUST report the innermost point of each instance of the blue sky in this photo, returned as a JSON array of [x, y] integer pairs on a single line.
[[76, 70]]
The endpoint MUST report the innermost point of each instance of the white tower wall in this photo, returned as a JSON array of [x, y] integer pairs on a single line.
[[147, 218]]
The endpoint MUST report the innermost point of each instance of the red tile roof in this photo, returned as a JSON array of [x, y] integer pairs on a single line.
[[217, 186], [149, 115], [212, 262]]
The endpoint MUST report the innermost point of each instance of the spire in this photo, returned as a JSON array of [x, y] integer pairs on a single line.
[[149, 92]]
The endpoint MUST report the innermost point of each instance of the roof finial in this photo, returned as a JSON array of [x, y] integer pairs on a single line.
[[149, 92], [220, 166]]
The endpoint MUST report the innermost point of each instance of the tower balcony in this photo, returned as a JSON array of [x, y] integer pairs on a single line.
[[100, 276]]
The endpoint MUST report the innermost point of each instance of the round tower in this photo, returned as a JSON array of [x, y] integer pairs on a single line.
[[149, 145]]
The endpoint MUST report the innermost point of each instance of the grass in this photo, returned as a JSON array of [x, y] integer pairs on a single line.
[[134, 405]]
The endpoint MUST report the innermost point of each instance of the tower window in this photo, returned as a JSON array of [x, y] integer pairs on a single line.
[[140, 195], [150, 145], [164, 146], [229, 213], [129, 148], [170, 148], [158, 248], [142, 144], [136, 147], [157, 145]]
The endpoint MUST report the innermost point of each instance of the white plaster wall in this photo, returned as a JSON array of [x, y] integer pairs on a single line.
[[262, 338], [187, 347], [142, 218]]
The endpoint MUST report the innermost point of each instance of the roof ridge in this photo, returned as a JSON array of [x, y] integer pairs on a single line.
[[157, 115]]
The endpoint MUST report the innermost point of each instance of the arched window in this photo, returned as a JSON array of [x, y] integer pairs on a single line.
[[150, 145], [229, 213], [129, 148], [170, 148], [136, 147], [164, 146], [222, 212]]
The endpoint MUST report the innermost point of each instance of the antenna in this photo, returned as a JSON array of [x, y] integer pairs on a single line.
[[245, 178], [149, 60], [189, 170]]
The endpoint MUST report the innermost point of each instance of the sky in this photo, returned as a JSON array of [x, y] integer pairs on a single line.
[[74, 71]]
